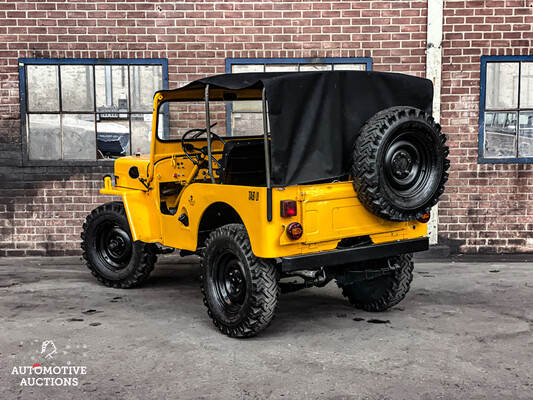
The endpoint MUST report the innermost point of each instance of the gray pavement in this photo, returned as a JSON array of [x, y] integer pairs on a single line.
[[463, 332]]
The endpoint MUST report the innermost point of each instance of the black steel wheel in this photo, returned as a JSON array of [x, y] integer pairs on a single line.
[[399, 164], [111, 255], [384, 292], [114, 246], [240, 290]]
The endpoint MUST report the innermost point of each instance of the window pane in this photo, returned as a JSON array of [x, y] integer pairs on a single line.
[[77, 92], [239, 68], [525, 143], [145, 81], [113, 137], [141, 133], [78, 137], [44, 137], [43, 88], [349, 67], [315, 67], [111, 88], [489, 118], [244, 124], [502, 85], [248, 106], [281, 67], [500, 135], [184, 116], [526, 86]]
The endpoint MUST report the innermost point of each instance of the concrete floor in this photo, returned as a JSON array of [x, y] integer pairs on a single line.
[[463, 332]]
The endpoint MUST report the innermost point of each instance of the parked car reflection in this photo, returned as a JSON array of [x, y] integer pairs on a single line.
[[500, 134], [113, 139]]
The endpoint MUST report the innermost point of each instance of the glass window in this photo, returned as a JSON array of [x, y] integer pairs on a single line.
[[507, 131], [87, 109], [141, 132], [526, 85], [245, 117], [502, 85], [78, 137], [44, 137], [42, 88], [145, 81], [525, 145], [184, 116], [77, 88]]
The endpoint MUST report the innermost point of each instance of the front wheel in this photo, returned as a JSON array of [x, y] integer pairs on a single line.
[[240, 290], [380, 294], [109, 250]]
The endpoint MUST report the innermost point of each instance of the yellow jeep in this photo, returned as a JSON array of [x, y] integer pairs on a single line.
[[336, 184]]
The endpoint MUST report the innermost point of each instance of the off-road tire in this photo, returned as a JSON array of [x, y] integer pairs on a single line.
[[400, 163], [129, 263], [380, 294], [238, 309]]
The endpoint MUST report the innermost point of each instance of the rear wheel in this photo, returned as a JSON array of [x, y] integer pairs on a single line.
[[399, 164], [380, 294], [240, 290], [111, 254]]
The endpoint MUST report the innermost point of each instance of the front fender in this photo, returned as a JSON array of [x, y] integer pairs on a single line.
[[141, 213]]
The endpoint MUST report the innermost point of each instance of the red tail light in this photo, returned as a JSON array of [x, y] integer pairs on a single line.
[[424, 218], [295, 231], [288, 208]]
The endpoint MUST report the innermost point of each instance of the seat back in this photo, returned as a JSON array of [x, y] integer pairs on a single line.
[[243, 163]]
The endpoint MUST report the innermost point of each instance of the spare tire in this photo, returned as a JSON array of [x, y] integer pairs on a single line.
[[400, 163]]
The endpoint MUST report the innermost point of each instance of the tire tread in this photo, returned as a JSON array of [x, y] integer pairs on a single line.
[[147, 252], [399, 284], [265, 288], [365, 168]]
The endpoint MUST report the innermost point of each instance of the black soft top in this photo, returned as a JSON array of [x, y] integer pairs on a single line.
[[315, 116]]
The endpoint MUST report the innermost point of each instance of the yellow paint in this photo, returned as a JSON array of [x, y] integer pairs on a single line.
[[327, 212]]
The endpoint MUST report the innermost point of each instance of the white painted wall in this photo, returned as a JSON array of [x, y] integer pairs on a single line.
[[433, 72]]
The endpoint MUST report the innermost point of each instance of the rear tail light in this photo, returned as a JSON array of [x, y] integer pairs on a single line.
[[295, 231], [424, 218], [288, 208]]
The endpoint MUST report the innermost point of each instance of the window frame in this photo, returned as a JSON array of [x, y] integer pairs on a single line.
[[23, 62], [311, 60], [482, 105]]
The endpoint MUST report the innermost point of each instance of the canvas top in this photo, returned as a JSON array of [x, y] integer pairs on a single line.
[[315, 116]]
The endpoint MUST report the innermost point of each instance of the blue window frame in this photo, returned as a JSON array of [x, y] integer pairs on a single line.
[[506, 110], [234, 65], [84, 110]]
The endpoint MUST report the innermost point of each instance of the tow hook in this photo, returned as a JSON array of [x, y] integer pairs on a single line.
[[320, 278]]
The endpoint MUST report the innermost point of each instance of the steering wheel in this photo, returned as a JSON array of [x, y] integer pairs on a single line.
[[189, 147]]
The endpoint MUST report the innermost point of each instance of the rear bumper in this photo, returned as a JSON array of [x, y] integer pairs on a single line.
[[353, 254]]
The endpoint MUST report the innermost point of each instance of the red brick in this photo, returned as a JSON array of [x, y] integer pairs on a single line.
[[197, 37]]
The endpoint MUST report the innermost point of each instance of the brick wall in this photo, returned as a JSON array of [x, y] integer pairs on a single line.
[[487, 208], [42, 209]]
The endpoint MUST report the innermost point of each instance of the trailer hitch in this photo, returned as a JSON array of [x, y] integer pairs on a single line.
[[311, 278], [346, 276]]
